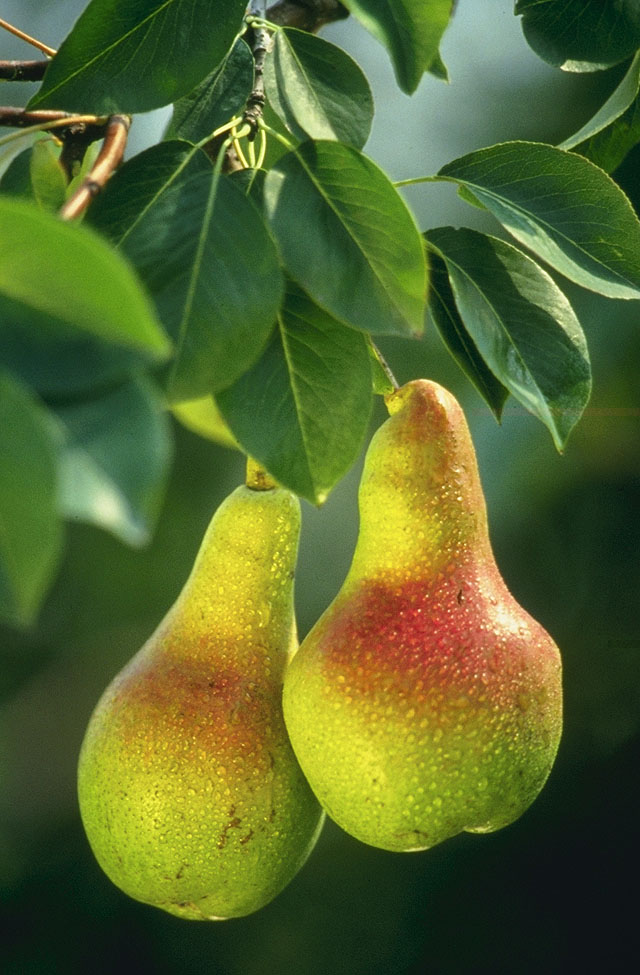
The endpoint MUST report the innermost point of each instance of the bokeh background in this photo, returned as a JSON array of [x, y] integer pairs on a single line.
[[554, 892]]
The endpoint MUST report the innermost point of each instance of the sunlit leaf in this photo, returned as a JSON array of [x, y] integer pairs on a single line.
[[562, 207], [317, 89], [521, 324], [346, 236]]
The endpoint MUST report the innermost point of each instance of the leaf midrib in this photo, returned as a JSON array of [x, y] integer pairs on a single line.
[[106, 51], [613, 276], [350, 233], [557, 438]]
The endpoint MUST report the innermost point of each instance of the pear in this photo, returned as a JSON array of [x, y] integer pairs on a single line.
[[190, 794], [425, 701]]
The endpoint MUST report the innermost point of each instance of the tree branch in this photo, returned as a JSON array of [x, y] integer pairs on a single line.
[[255, 101], [28, 38], [108, 160], [22, 70], [309, 15], [18, 118]]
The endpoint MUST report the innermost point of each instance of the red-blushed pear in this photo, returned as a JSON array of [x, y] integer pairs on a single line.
[[425, 701], [190, 794]]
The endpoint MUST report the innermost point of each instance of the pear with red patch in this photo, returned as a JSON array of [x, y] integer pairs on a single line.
[[190, 794], [425, 701]]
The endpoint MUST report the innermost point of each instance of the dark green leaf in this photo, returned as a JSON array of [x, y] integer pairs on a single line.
[[608, 149], [346, 236], [616, 105], [457, 339], [47, 175], [69, 276], [136, 55], [58, 360], [30, 529], [141, 182], [216, 99], [251, 182], [275, 148], [561, 206], [581, 35], [114, 460], [615, 129], [521, 324], [411, 30], [203, 251], [302, 411], [317, 89]]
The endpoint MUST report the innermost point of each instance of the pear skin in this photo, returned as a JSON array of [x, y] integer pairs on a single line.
[[425, 701], [190, 794]]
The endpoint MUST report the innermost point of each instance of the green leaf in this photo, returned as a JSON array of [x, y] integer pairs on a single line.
[[411, 30], [615, 106], [216, 99], [203, 417], [140, 184], [439, 69], [581, 35], [67, 275], [346, 236], [608, 149], [30, 529], [457, 339], [48, 178], [251, 182], [114, 460], [58, 360], [204, 253], [521, 324], [317, 89], [562, 207], [137, 55], [303, 410]]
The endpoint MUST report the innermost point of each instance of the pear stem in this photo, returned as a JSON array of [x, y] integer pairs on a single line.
[[257, 478]]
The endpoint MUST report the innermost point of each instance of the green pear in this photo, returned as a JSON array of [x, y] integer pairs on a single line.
[[425, 701], [190, 794]]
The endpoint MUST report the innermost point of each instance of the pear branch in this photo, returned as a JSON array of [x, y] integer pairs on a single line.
[[107, 161], [50, 51], [19, 118], [22, 70], [255, 101], [309, 15]]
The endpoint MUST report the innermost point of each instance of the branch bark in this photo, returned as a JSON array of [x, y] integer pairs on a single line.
[[108, 160], [22, 70], [309, 15]]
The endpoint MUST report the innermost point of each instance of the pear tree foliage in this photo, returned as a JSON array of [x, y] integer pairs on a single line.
[[239, 272]]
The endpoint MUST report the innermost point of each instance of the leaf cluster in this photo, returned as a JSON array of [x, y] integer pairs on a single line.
[[239, 271]]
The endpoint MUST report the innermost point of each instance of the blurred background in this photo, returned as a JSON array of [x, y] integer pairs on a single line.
[[554, 892]]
